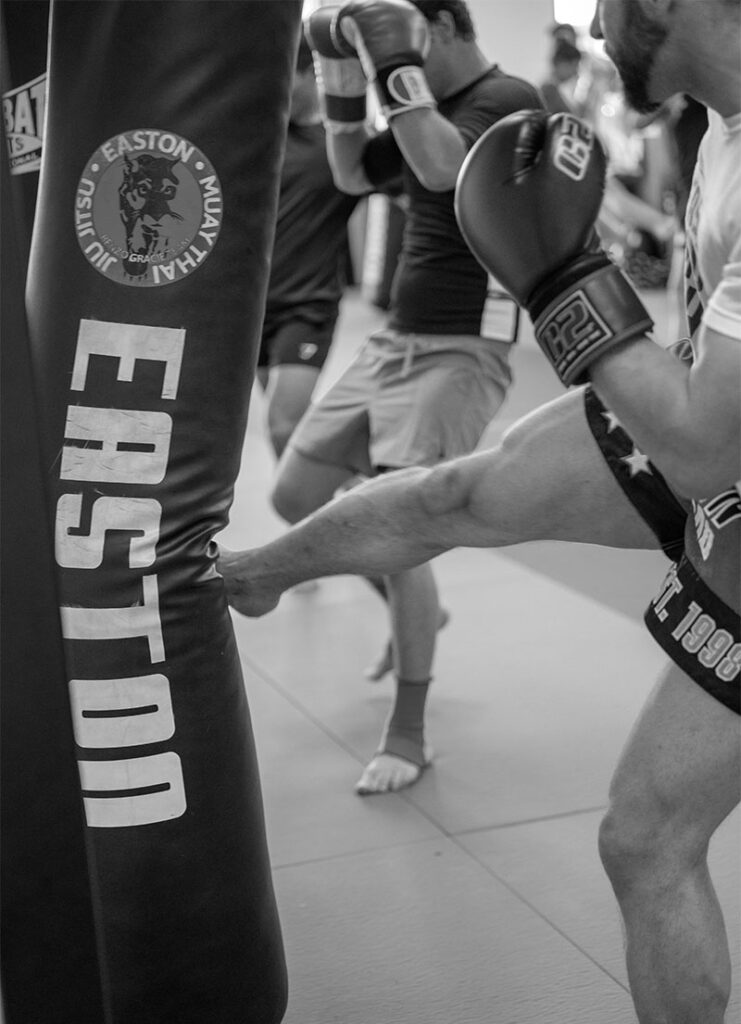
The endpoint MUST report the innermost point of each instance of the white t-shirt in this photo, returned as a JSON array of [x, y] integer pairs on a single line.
[[713, 227]]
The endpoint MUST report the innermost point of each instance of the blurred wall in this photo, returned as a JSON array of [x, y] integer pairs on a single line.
[[514, 34]]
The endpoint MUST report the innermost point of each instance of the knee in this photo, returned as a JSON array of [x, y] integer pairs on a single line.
[[281, 423], [647, 843], [280, 432], [289, 501], [625, 847]]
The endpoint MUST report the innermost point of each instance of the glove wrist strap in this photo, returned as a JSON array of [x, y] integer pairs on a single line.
[[594, 309], [344, 112], [342, 88], [403, 87]]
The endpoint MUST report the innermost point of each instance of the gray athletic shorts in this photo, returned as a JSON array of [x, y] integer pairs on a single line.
[[407, 400]]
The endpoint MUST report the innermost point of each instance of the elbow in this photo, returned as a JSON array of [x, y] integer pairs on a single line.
[[351, 181], [437, 180], [351, 186]]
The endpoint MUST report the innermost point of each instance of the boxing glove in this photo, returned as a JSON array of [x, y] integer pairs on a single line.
[[392, 39], [526, 201], [340, 77]]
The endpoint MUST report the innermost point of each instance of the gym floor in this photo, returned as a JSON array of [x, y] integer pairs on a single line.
[[477, 896]]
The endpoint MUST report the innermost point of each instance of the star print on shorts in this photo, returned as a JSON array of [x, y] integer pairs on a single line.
[[640, 480]]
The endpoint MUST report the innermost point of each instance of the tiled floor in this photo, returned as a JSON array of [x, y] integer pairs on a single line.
[[477, 896]]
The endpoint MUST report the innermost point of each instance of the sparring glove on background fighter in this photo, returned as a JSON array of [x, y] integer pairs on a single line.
[[340, 76], [526, 200], [392, 39]]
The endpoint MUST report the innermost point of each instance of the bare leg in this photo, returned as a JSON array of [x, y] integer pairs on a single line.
[[678, 778], [288, 393], [384, 663], [303, 485], [547, 480], [403, 753]]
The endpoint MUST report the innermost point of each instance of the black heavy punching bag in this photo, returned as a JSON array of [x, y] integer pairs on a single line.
[[48, 952], [165, 130]]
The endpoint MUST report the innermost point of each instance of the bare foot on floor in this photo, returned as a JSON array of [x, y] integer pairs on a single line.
[[388, 773]]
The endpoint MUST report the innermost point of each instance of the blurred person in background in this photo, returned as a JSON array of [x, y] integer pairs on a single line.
[[426, 386], [308, 263], [558, 88]]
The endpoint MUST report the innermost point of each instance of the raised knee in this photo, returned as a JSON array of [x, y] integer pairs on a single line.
[[280, 434], [282, 420], [287, 502]]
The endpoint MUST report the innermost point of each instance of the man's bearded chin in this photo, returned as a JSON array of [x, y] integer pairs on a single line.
[[635, 86], [635, 59]]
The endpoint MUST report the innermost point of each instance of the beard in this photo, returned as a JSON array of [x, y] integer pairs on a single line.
[[634, 54]]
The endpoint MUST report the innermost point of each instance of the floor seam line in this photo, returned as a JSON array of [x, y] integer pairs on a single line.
[[538, 913]]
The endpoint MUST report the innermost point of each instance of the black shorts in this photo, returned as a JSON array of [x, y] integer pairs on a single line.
[[296, 340], [640, 481], [694, 617]]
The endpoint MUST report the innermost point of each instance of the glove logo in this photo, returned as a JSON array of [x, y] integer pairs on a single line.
[[148, 208], [571, 330], [408, 86], [573, 148]]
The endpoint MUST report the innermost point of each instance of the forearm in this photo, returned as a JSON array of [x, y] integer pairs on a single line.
[[345, 155], [684, 418], [516, 189], [431, 145]]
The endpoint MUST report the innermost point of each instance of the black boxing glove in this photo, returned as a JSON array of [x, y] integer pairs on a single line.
[[340, 77], [392, 39], [527, 198]]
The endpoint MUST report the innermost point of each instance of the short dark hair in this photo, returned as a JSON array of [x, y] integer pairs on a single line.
[[565, 53], [457, 9], [563, 30]]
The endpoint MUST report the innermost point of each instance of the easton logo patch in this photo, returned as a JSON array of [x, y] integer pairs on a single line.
[[148, 208]]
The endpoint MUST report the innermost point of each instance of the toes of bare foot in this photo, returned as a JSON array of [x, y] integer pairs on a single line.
[[387, 773]]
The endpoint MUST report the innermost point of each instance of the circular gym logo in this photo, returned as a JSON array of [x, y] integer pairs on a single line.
[[148, 208]]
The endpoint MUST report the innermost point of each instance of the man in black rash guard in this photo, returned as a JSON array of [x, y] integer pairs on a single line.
[[307, 269], [424, 388]]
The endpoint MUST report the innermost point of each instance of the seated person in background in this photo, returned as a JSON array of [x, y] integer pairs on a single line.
[[307, 271], [637, 233], [558, 88]]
